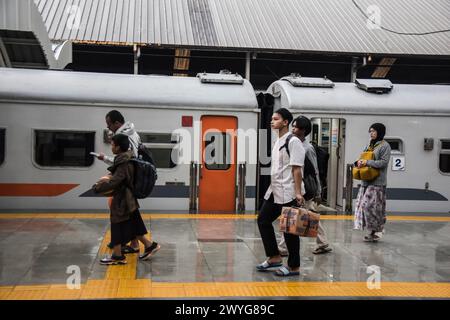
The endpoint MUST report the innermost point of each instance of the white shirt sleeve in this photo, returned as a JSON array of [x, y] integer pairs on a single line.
[[297, 152]]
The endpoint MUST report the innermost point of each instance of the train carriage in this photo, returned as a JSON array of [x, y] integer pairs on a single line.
[[417, 118], [51, 120], [210, 136]]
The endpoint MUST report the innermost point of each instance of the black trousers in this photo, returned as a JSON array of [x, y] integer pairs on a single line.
[[270, 211], [138, 224], [124, 232]]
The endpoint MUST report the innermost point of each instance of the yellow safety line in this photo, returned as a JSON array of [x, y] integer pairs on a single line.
[[145, 288], [196, 216], [123, 272], [121, 282]]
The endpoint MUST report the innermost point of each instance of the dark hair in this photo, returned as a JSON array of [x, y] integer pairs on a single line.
[[381, 131], [122, 141], [114, 116], [303, 123], [285, 114]]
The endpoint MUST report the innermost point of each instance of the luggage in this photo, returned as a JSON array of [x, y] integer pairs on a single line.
[[299, 221]]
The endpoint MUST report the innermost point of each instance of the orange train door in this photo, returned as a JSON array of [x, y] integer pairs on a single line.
[[217, 187]]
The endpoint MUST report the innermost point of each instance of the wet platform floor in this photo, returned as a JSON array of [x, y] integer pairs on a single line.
[[214, 256]]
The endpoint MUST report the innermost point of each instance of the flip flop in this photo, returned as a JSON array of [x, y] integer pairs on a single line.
[[285, 272], [267, 266]]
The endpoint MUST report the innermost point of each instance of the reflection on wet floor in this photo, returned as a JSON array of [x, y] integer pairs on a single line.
[[38, 252]]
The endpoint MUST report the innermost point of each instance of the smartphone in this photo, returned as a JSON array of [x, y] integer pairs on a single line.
[[95, 154]]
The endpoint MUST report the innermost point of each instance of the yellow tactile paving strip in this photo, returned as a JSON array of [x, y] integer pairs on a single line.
[[145, 288], [197, 216], [120, 281]]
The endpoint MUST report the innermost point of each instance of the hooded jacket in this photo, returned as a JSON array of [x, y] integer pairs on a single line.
[[123, 203], [127, 129]]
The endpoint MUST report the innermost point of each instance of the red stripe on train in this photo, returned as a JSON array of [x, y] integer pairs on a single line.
[[34, 189]]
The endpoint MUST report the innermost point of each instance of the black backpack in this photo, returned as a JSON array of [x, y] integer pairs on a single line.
[[309, 174], [322, 163], [310, 180], [145, 175]]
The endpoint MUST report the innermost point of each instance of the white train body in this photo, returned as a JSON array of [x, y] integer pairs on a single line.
[[418, 180], [35, 104], [68, 101]]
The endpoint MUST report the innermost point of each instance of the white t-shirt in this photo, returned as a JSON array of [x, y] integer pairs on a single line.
[[282, 180]]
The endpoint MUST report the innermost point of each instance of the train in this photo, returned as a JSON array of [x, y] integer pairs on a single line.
[[210, 137]]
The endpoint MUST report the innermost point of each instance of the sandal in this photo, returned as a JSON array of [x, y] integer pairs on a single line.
[[285, 272], [267, 266], [321, 250]]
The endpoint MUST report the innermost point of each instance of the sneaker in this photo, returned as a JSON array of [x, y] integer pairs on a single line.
[[380, 234], [283, 252], [150, 251], [129, 249], [323, 249], [113, 260], [371, 238]]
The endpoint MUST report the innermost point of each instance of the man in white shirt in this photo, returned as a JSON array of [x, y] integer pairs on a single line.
[[301, 127], [116, 123], [286, 189]]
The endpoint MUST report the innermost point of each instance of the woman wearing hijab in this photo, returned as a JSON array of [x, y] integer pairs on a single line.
[[370, 212]]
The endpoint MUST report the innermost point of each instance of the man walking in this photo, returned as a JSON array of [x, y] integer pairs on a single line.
[[117, 124], [286, 189]]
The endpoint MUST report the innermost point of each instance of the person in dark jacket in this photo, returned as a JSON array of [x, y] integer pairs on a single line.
[[115, 122], [126, 222]]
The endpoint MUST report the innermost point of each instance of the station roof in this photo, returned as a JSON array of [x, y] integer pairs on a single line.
[[124, 90], [24, 40], [339, 26]]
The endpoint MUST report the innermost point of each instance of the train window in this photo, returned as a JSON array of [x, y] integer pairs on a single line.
[[160, 144], [157, 137], [2, 145], [63, 148], [444, 156], [162, 147], [217, 151], [396, 145], [163, 158]]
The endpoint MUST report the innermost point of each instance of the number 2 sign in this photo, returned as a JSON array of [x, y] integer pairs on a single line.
[[398, 163]]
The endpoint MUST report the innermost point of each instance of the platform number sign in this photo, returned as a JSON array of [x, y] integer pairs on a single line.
[[398, 163]]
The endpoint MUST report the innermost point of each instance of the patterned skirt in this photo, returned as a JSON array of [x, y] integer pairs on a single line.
[[370, 211]]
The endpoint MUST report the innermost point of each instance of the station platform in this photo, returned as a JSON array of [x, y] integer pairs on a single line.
[[214, 257]]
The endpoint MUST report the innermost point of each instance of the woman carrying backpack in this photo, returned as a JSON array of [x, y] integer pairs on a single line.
[[370, 211], [126, 221]]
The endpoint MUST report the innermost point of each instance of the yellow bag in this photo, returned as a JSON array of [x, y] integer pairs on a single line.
[[366, 173]]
